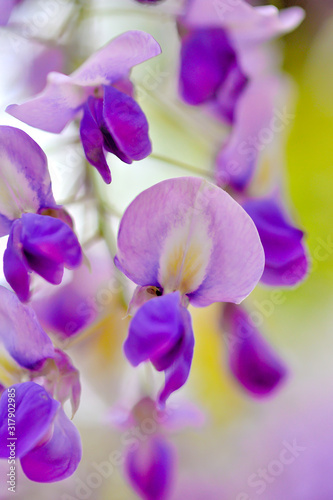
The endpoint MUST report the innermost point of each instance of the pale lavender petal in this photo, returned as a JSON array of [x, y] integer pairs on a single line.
[[59, 457], [34, 412], [48, 59], [238, 158], [250, 24], [252, 360], [93, 140], [15, 266], [286, 263], [54, 107], [69, 386], [25, 184], [150, 468], [187, 234], [155, 329], [114, 61], [127, 125], [21, 333]]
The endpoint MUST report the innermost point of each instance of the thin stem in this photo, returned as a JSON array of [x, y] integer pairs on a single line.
[[180, 164]]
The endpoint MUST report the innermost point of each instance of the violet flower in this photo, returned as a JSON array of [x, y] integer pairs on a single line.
[[101, 91], [45, 440], [286, 262], [223, 66], [150, 460], [189, 242], [252, 360], [37, 242]]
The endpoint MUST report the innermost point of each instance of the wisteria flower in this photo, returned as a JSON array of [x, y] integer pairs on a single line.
[[187, 241], [252, 360], [150, 460], [6, 8], [101, 93], [286, 262], [223, 66], [44, 439], [37, 242]]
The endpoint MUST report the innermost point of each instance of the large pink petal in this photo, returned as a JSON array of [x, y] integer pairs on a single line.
[[190, 235]]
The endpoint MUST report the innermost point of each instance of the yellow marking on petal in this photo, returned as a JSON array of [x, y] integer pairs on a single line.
[[185, 256]]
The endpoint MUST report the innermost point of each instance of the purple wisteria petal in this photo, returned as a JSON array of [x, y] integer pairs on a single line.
[[177, 373], [252, 360], [150, 468], [57, 458], [49, 245], [15, 266], [54, 107], [238, 158], [155, 329], [6, 7], [187, 234], [249, 23], [286, 263], [206, 58], [25, 184], [93, 140], [64, 96], [21, 333], [127, 125], [114, 61], [35, 411]]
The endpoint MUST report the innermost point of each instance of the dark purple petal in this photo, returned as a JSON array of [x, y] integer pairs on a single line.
[[57, 458], [178, 371], [35, 411], [21, 333], [155, 329], [93, 139], [126, 124], [150, 468], [49, 245], [206, 59], [252, 360], [230, 92], [15, 267], [25, 184], [285, 256]]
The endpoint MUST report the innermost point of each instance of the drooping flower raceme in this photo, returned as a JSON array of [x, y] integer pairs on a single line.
[[100, 91], [183, 241], [223, 66], [37, 242]]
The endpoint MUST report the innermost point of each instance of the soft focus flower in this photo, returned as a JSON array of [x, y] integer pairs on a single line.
[[38, 243], [100, 88], [286, 263], [194, 244], [223, 65], [150, 460], [47, 443], [252, 360]]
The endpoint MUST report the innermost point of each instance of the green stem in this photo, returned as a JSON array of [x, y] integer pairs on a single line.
[[180, 164]]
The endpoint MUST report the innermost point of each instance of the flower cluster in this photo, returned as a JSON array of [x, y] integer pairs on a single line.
[[184, 242]]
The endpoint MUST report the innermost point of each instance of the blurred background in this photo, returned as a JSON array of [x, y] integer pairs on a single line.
[[240, 452]]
